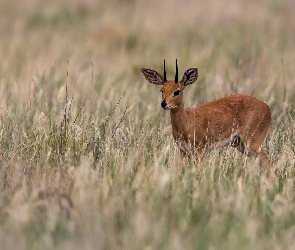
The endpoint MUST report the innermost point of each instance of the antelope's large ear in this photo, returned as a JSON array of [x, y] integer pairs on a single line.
[[190, 76], [153, 76]]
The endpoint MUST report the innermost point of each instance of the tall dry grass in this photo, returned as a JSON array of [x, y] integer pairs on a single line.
[[87, 159]]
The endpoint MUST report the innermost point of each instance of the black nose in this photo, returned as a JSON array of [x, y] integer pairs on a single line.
[[163, 104]]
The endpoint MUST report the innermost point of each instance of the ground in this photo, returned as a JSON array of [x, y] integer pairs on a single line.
[[87, 158]]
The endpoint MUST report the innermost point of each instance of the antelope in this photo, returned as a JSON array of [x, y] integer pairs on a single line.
[[238, 120]]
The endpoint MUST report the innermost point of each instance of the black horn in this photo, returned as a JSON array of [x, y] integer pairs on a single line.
[[165, 79], [176, 73]]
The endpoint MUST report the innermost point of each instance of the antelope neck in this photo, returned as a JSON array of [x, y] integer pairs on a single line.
[[177, 116]]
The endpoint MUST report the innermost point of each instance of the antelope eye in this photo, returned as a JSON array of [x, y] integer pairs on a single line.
[[176, 92], [162, 92]]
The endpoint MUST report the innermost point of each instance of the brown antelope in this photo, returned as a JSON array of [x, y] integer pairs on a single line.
[[238, 120]]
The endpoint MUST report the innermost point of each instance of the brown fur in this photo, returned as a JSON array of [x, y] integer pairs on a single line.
[[239, 120]]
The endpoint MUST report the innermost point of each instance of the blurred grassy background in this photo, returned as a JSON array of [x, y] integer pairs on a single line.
[[87, 159]]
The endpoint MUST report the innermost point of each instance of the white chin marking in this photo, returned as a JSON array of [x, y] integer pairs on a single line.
[[169, 107]]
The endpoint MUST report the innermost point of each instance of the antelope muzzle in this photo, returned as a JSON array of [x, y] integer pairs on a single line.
[[164, 104]]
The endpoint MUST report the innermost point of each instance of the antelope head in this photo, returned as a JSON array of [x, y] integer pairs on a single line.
[[172, 90]]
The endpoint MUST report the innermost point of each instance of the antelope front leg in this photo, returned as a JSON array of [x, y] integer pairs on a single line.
[[199, 154], [184, 155]]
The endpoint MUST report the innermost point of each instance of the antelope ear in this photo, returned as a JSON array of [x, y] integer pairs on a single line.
[[153, 76], [190, 76]]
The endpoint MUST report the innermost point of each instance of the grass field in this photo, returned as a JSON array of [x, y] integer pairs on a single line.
[[87, 158]]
